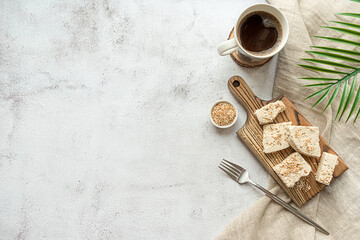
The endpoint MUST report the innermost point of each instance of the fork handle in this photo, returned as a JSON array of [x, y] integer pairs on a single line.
[[289, 207]]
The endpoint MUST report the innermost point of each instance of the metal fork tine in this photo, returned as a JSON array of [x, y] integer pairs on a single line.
[[235, 171], [228, 173], [235, 165], [232, 168], [229, 169]]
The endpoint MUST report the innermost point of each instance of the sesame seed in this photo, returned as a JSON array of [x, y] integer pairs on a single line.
[[223, 114]]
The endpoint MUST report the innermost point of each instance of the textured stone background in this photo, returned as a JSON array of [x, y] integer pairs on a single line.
[[104, 120]]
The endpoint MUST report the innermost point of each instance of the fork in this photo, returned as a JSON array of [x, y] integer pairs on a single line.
[[241, 176]]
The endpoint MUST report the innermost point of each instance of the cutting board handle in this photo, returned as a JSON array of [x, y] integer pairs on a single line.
[[239, 88]]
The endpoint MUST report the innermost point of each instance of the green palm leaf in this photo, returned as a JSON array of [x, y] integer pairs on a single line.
[[330, 63], [332, 96], [346, 31], [317, 93], [348, 99], [357, 15], [319, 69], [347, 24], [335, 56], [338, 50], [339, 40], [356, 101], [317, 85], [319, 79], [322, 97], [343, 97], [357, 115], [341, 67]]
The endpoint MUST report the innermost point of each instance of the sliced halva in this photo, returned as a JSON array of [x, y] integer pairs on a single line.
[[326, 168], [268, 113], [292, 169], [275, 137], [305, 140]]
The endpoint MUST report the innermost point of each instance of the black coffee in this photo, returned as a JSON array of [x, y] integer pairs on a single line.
[[260, 32]]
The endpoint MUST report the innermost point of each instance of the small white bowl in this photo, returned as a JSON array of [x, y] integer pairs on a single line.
[[236, 112]]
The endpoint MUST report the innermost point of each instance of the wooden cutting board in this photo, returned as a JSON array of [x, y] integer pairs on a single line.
[[251, 134]]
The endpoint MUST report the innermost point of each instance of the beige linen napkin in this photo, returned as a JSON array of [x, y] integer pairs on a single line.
[[337, 208]]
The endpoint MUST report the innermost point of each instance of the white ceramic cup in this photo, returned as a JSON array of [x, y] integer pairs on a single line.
[[234, 44]]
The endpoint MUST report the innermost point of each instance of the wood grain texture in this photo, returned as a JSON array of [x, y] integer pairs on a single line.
[[243, 61], [252, 134]]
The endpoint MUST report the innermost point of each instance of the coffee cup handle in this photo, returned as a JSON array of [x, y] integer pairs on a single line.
[[227, 47]]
